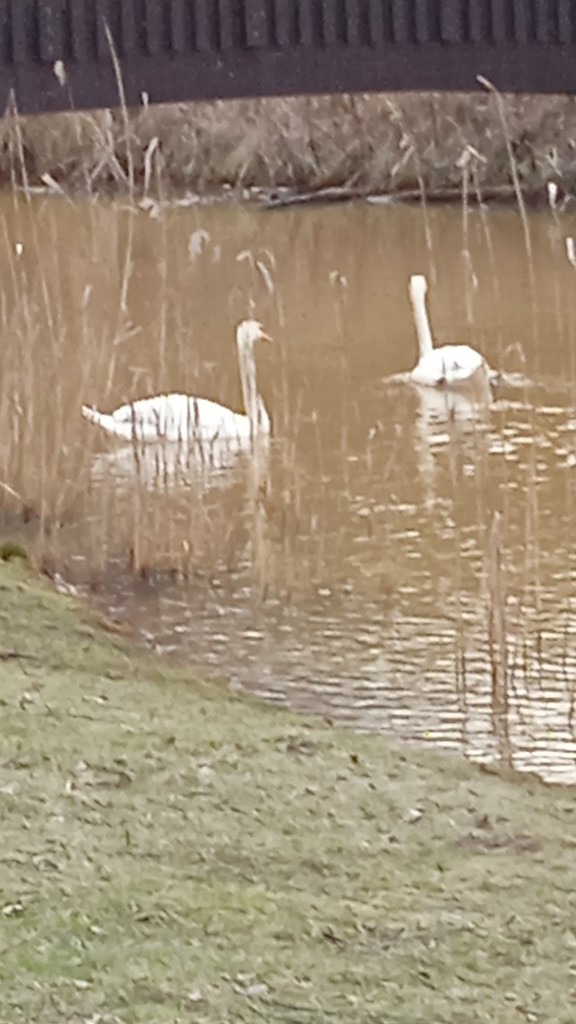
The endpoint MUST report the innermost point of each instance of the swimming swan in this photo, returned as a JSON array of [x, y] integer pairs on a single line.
[[447, 365], [196, 421]]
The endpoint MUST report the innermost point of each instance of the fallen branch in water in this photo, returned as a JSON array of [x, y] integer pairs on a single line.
[[280, 200]]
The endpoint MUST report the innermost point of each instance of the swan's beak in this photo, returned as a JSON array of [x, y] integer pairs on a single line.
[[264, 337]]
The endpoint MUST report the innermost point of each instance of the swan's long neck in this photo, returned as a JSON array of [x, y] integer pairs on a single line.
[[425, 340], [247, 365]]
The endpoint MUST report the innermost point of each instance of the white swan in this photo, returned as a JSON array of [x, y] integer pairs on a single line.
[[447, 365], [194, 421]]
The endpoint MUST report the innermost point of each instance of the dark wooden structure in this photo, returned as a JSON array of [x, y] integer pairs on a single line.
[[56, 54]]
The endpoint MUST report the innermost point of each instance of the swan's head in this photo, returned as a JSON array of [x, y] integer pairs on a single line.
[[418, 287], [249, 331]]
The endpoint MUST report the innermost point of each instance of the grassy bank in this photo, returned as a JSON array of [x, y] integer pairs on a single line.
[[398, 144], [171, 853]]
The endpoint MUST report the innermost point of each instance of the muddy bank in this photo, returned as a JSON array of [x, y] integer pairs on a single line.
[[250, 865], [399, 144]]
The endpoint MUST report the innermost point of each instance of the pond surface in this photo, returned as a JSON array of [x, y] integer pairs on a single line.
[[349, 571]]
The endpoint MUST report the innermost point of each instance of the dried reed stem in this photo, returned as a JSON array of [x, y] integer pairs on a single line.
[[513, 168], [123, 107], [497, 636]]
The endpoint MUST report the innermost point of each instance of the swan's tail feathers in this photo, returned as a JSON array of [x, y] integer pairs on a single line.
[[92, 414], [101, 419]]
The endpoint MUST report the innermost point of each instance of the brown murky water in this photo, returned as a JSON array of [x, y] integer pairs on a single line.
[[348, 575]]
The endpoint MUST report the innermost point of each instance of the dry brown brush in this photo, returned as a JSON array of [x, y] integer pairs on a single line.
[[385, 143]]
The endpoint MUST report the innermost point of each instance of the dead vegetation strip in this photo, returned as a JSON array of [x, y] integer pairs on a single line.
[[396, 145]]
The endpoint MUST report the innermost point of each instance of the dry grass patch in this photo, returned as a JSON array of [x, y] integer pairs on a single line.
[[371, 143]]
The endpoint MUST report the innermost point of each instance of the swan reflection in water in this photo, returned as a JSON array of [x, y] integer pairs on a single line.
[[167, 465], [449, 418], [176, 511]]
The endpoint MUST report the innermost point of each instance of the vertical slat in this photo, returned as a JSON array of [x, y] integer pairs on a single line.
[[256, 23], [282, 19], [18, 25], [78, 30], [51, 30], [5, 35], [400, 21], [478, 20], [353, 27], [305, 23], [225, 24], [521, 11], [376, 21], [203, 34], [542, 23], [101, 14], [421, 22], [177, 26], [452, 28], [153, 16], [499, 32], [329, 21], [128, 28], [565, 21]]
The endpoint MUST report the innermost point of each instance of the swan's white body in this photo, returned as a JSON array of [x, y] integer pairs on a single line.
[[176, 417], [448, 365], [192, 421]]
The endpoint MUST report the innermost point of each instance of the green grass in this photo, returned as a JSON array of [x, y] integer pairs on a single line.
[[171, 853]]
